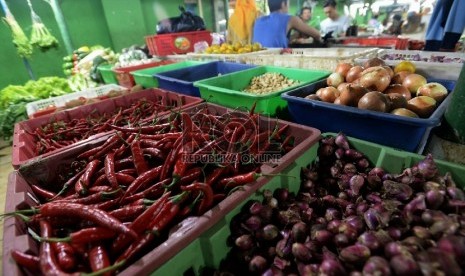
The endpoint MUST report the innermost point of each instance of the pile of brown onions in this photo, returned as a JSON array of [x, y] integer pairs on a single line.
[[350, 218]]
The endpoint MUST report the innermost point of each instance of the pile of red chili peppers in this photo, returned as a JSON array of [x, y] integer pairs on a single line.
[[119, 200], [59, 134]]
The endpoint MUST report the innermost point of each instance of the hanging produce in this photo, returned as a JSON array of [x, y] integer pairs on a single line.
[[40, 35], [20, 40]]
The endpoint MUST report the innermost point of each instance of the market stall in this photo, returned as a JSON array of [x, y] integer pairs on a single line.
[[195, 156]]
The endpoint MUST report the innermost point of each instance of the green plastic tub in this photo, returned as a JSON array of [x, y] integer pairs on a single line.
[[145, 77], [210, 248], [227, 90], [108, 76]]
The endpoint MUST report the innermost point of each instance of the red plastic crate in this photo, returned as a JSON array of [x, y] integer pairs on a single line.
[[24, 142], [124, 77], [388, 41], [176, 43], [44, 174]]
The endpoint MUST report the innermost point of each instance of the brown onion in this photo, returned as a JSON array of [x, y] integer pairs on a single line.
[[329, 94], [354, 73], [372, 62], [351, 94], [399, 89], [342, 68], [398, 78], [375, 101], [334, 79], [413, 82], [375, 78]]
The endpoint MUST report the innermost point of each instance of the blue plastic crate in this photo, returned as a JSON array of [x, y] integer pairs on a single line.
[[410, 134], [182, 80]]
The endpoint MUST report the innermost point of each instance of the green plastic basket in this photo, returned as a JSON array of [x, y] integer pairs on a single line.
[[108, 76], [145, 77], [210, 248], [227, 90]]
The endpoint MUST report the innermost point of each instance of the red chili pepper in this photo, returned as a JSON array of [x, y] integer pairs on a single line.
[[157, 224], [127, 213], [82, 184], [48, 262], [280, 132], [142, 180], [30, 262], [154, 152], [141, 129], [107, 205], [93, 151], [124, 179], [252, 109], [207, 191], [190, 176], [139, 161], [69, 182], [131, 172], [170, 159], [169, 135], [217, 172], [187, 124], [239, 180], [101, 181], [122, 149], [65, 255], [139, 225], [85, 212], [153, 191], [109, 165], [43, 193], [98, 259]]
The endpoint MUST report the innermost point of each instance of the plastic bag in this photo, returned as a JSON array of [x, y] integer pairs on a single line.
[[186, 22]]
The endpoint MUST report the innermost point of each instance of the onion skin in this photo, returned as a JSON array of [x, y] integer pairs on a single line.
[[343, 68], [413, 82], [375, 78], [351, 94], [374, 101], [373, 62], [334, 80], [354, 73], [399, 77], [329, 94], [434, 90], [399, 89]]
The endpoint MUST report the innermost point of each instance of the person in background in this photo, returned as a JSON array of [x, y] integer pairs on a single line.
[[335, 23], [273, 30], [305, 15], [446, 25]]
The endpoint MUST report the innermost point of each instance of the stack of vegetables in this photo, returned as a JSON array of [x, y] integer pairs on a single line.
[[13, 100], [81, 66]]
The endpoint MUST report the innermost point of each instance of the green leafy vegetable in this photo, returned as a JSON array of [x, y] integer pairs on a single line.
[[20, 40]]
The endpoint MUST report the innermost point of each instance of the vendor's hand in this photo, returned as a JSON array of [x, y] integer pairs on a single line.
[[327, 36]]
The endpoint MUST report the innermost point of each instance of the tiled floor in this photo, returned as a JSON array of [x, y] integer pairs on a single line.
[[5, 169]]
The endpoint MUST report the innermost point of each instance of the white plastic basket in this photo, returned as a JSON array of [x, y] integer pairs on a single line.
[[427, 63], [313, 58], [61, 101], [238, 58]]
